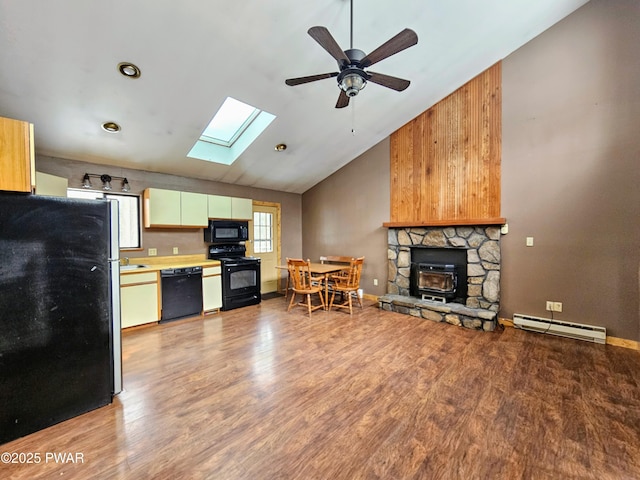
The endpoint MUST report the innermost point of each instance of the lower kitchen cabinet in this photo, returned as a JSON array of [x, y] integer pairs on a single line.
[[211, 289], [139, 299]]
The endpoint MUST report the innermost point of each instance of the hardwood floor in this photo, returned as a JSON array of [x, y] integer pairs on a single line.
[[259, 393]]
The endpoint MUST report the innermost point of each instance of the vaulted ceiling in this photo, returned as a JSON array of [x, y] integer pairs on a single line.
[[58, 70]]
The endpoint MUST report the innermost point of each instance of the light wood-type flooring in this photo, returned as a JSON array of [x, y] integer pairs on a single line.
[[259, 393]]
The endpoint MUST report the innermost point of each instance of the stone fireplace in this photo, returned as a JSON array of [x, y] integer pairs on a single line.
[[482, 296]]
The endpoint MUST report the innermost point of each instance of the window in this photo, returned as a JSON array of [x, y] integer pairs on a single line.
[[227, 125], [129, 210], [262, 232], [230, 132]]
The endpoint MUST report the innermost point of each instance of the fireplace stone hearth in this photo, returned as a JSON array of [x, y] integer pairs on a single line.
[[482, 245]]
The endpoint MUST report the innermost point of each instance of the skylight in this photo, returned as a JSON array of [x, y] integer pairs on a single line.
[[229, 123], [232, 129]]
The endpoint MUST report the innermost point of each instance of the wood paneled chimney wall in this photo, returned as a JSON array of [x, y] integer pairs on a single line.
[[445, 164]]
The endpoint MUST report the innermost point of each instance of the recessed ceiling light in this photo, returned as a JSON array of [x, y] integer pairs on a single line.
[[281, 147], [111, 127], [129, 70]]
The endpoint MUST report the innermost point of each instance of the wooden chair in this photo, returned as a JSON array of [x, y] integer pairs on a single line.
[[348, 285], [304, 284]]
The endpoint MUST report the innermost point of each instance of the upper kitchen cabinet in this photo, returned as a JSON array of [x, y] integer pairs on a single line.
[[17, 160], [230, 207], [161, 208], [51, 185], [241, 208], [193, 209], [170, 208], [219, 206]]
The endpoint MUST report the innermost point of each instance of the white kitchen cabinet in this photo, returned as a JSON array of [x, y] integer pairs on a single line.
[[172, 208], [139, 299], [51, 185], [235, 208], [161, 208], [193, 210], [219, 206], [211, 289], [241, 208]]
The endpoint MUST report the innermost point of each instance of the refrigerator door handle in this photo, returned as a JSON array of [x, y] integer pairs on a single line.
[[116, 321]]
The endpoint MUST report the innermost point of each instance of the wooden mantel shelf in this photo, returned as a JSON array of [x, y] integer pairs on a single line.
[[447, 223]]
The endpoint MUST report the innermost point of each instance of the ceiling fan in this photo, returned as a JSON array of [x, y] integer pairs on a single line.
[[352, 76]]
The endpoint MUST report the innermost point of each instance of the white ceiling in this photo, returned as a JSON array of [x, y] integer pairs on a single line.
[[58, 70]]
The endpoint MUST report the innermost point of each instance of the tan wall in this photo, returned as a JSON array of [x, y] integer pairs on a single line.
[[188, 241], [570, 177], [343, 215], [571, 169]]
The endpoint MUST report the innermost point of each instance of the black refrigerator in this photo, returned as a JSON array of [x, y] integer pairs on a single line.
[[60, 349]]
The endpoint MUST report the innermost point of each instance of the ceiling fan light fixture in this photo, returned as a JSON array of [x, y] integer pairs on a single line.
[[352, 63], [352, 83]]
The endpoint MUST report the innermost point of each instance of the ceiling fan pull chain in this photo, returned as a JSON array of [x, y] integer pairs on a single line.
[[353, 118]]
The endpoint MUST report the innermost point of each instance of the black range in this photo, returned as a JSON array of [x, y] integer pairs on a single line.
[[240, 275]]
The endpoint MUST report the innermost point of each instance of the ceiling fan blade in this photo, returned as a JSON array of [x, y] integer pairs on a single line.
[[405, 39], [311, 78], [326, 41], [343, 100], [388, 81]]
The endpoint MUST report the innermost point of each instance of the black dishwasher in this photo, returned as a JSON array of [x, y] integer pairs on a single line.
[[181, 293]]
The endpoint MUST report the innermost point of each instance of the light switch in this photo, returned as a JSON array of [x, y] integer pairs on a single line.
[[529, 241]]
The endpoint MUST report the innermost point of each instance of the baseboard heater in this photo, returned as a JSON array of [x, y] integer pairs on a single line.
[[561, 328]]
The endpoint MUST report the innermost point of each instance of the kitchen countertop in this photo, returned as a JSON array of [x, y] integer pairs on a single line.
[[155, 264]]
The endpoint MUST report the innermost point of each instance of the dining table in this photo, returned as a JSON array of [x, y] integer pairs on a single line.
[[324, 269]]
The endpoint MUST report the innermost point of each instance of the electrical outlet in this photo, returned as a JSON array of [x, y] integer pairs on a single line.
[[375, 282], [557, 306], [529, 242], [549, 306], [153, 252], [175, 250]]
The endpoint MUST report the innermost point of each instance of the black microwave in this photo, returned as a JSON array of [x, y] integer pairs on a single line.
[[226, 231]]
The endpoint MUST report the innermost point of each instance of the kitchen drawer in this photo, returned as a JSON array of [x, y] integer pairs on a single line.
[[135, 278], [208, 271]]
